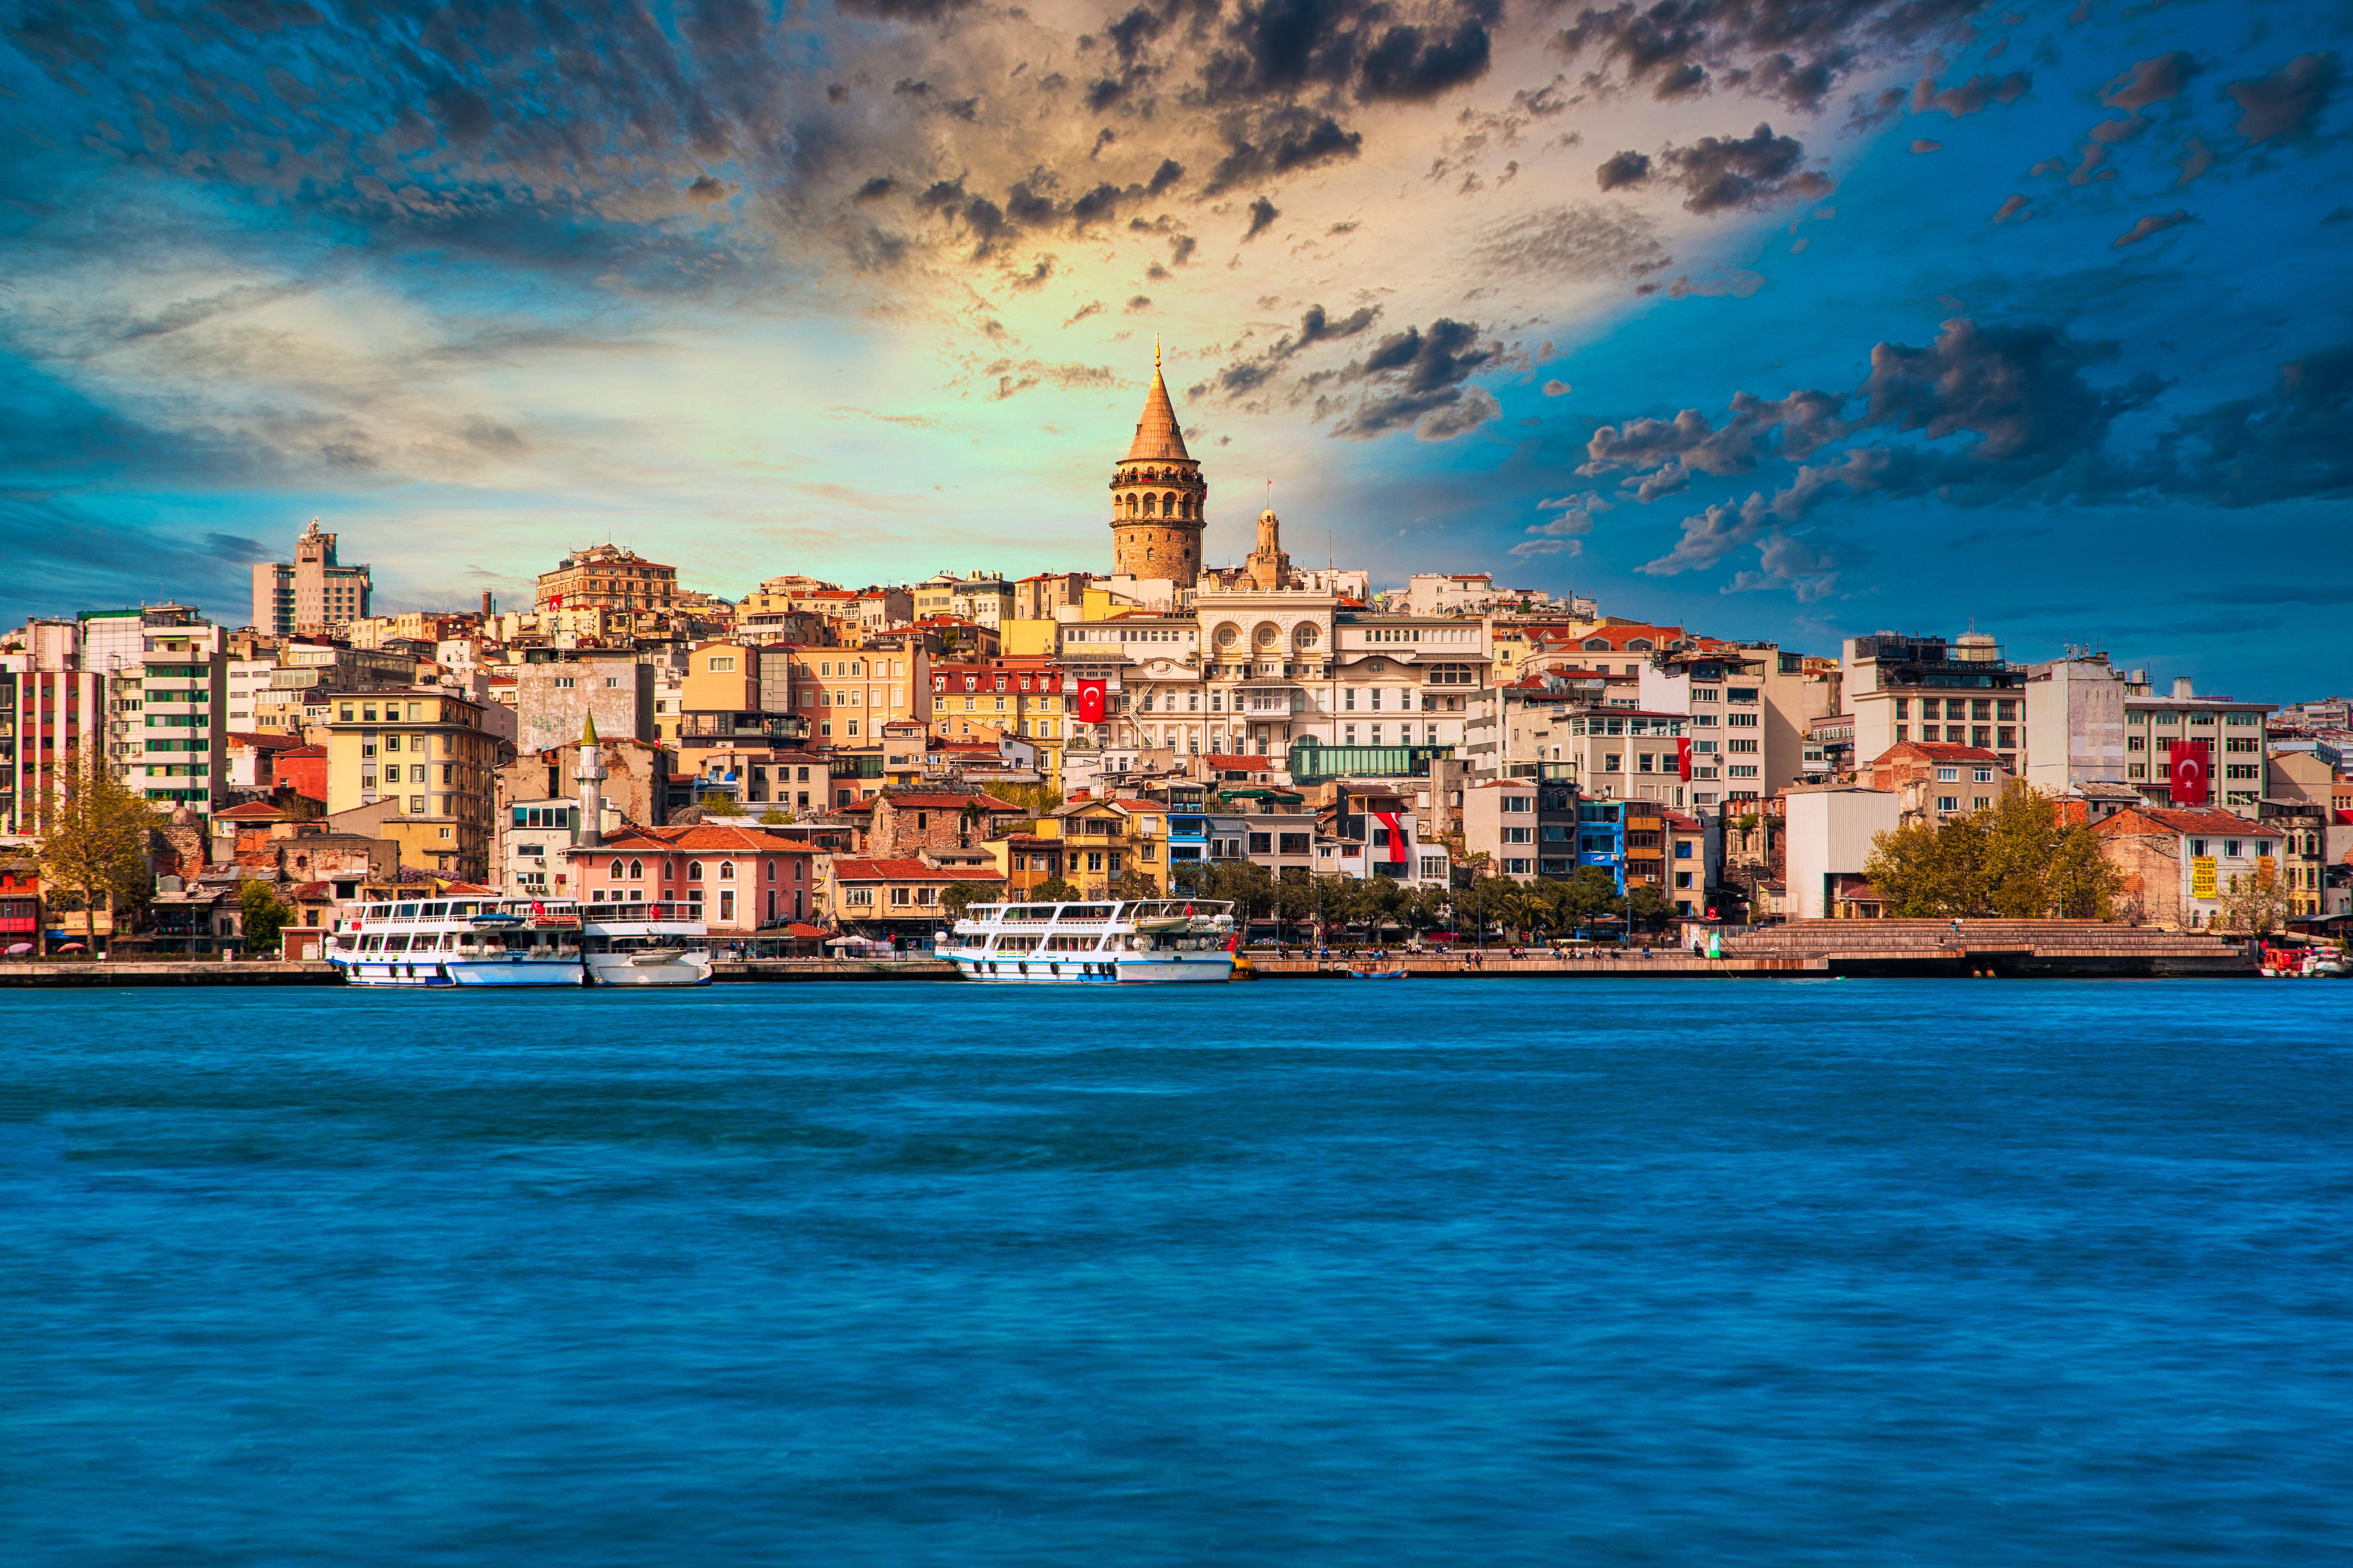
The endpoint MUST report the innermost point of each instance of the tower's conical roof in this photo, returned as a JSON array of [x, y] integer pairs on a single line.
[[1156, 436]]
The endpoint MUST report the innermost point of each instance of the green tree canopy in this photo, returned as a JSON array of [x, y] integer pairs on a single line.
[[1056, 890], [96, 838], [2018, 858], [260, 915]]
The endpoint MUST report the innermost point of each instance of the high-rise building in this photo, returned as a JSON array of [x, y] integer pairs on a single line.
[[313, 592], [165, 674], [51, 716]]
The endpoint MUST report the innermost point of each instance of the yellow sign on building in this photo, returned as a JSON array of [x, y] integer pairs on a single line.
[[2202, 880]]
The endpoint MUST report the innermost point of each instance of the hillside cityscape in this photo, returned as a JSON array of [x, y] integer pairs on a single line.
[[816, 760]]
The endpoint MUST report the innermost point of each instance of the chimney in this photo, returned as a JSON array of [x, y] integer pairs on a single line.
[[2181, 686]]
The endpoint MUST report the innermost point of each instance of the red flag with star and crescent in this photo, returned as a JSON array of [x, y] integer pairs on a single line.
[[1093, 699], [1682, 757], [2186, 770]]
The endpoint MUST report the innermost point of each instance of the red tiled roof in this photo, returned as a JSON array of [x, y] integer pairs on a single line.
[[1938, 752], [948, 801], [251, 811], [854, 869], [1238, 762], [706, 837], [2206, 821], [264, 741]]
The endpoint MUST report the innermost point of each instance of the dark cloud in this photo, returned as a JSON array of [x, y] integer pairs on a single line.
[[1262, 213], [1409, 65], [875, 189], [1623, 169], [1286, 49], [1413, 375], [1795, 51], [2150, 81], [2285, 102], [1279, 143], [1722, 173], [1968, 97], [2287, 445], [2015, 403], [1316, 326]]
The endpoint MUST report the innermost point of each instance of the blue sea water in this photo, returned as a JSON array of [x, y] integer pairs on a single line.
[[1494, 1272]]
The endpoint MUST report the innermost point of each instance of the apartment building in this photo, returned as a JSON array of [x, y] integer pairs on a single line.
[[313, 592], [1932, 781], [1961, 693], [2233, 734], [608, 577], [425, 753], [166, 694]]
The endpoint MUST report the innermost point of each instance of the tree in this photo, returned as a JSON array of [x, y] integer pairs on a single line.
[[260, 915], [958, 897], [96, 841], [1037, 799], [1133, 885], [2257, 905], [1649, 908], [715, 804], [1056, 890], [2017, 858], [775, 819]]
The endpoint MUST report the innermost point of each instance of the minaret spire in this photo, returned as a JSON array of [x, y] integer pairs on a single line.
[[590, 772]]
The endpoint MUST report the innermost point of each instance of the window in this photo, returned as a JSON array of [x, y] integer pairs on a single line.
[[1947, 775], [727, 870], [694, 870], [636, 870], [1981, 775], [613, 871], [1949, 802]]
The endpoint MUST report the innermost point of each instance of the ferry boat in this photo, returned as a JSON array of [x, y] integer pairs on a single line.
[[1118, 941], [482, 940]]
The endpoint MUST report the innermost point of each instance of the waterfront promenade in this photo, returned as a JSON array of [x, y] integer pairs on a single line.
[[1926, 949]]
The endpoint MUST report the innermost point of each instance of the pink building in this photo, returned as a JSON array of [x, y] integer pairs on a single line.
[[736, 880]]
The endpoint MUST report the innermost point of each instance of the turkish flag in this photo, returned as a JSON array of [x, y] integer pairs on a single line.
[[2187, 768], [1682, 758], [1093, 699], [1388, 819]]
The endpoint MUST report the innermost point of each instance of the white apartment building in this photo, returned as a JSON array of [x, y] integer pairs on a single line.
[[165, 670]]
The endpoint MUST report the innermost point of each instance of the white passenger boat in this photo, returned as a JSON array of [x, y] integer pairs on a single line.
[[1131, 942], [482, 940]]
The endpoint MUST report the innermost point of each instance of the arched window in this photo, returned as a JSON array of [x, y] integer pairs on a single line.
[[636, 870], [617, 870], [694, 870], [1149, 504], [1168, 506], [727, 870], [772, 870]]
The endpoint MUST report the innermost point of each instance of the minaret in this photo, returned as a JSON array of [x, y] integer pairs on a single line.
[[591, 772], [1157, 496]]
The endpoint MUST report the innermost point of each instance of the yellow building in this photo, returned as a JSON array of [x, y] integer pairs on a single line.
[[1103, 840], [847, 695], [426, 752], [1028, 698]]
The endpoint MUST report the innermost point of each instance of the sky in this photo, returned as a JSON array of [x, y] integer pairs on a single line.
[[1789, 320]]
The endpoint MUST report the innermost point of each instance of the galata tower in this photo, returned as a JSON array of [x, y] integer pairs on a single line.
[[1157, 496]]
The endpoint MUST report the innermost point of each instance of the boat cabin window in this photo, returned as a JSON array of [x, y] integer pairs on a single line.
[[405, 913], [373, 943], [436, 912]]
